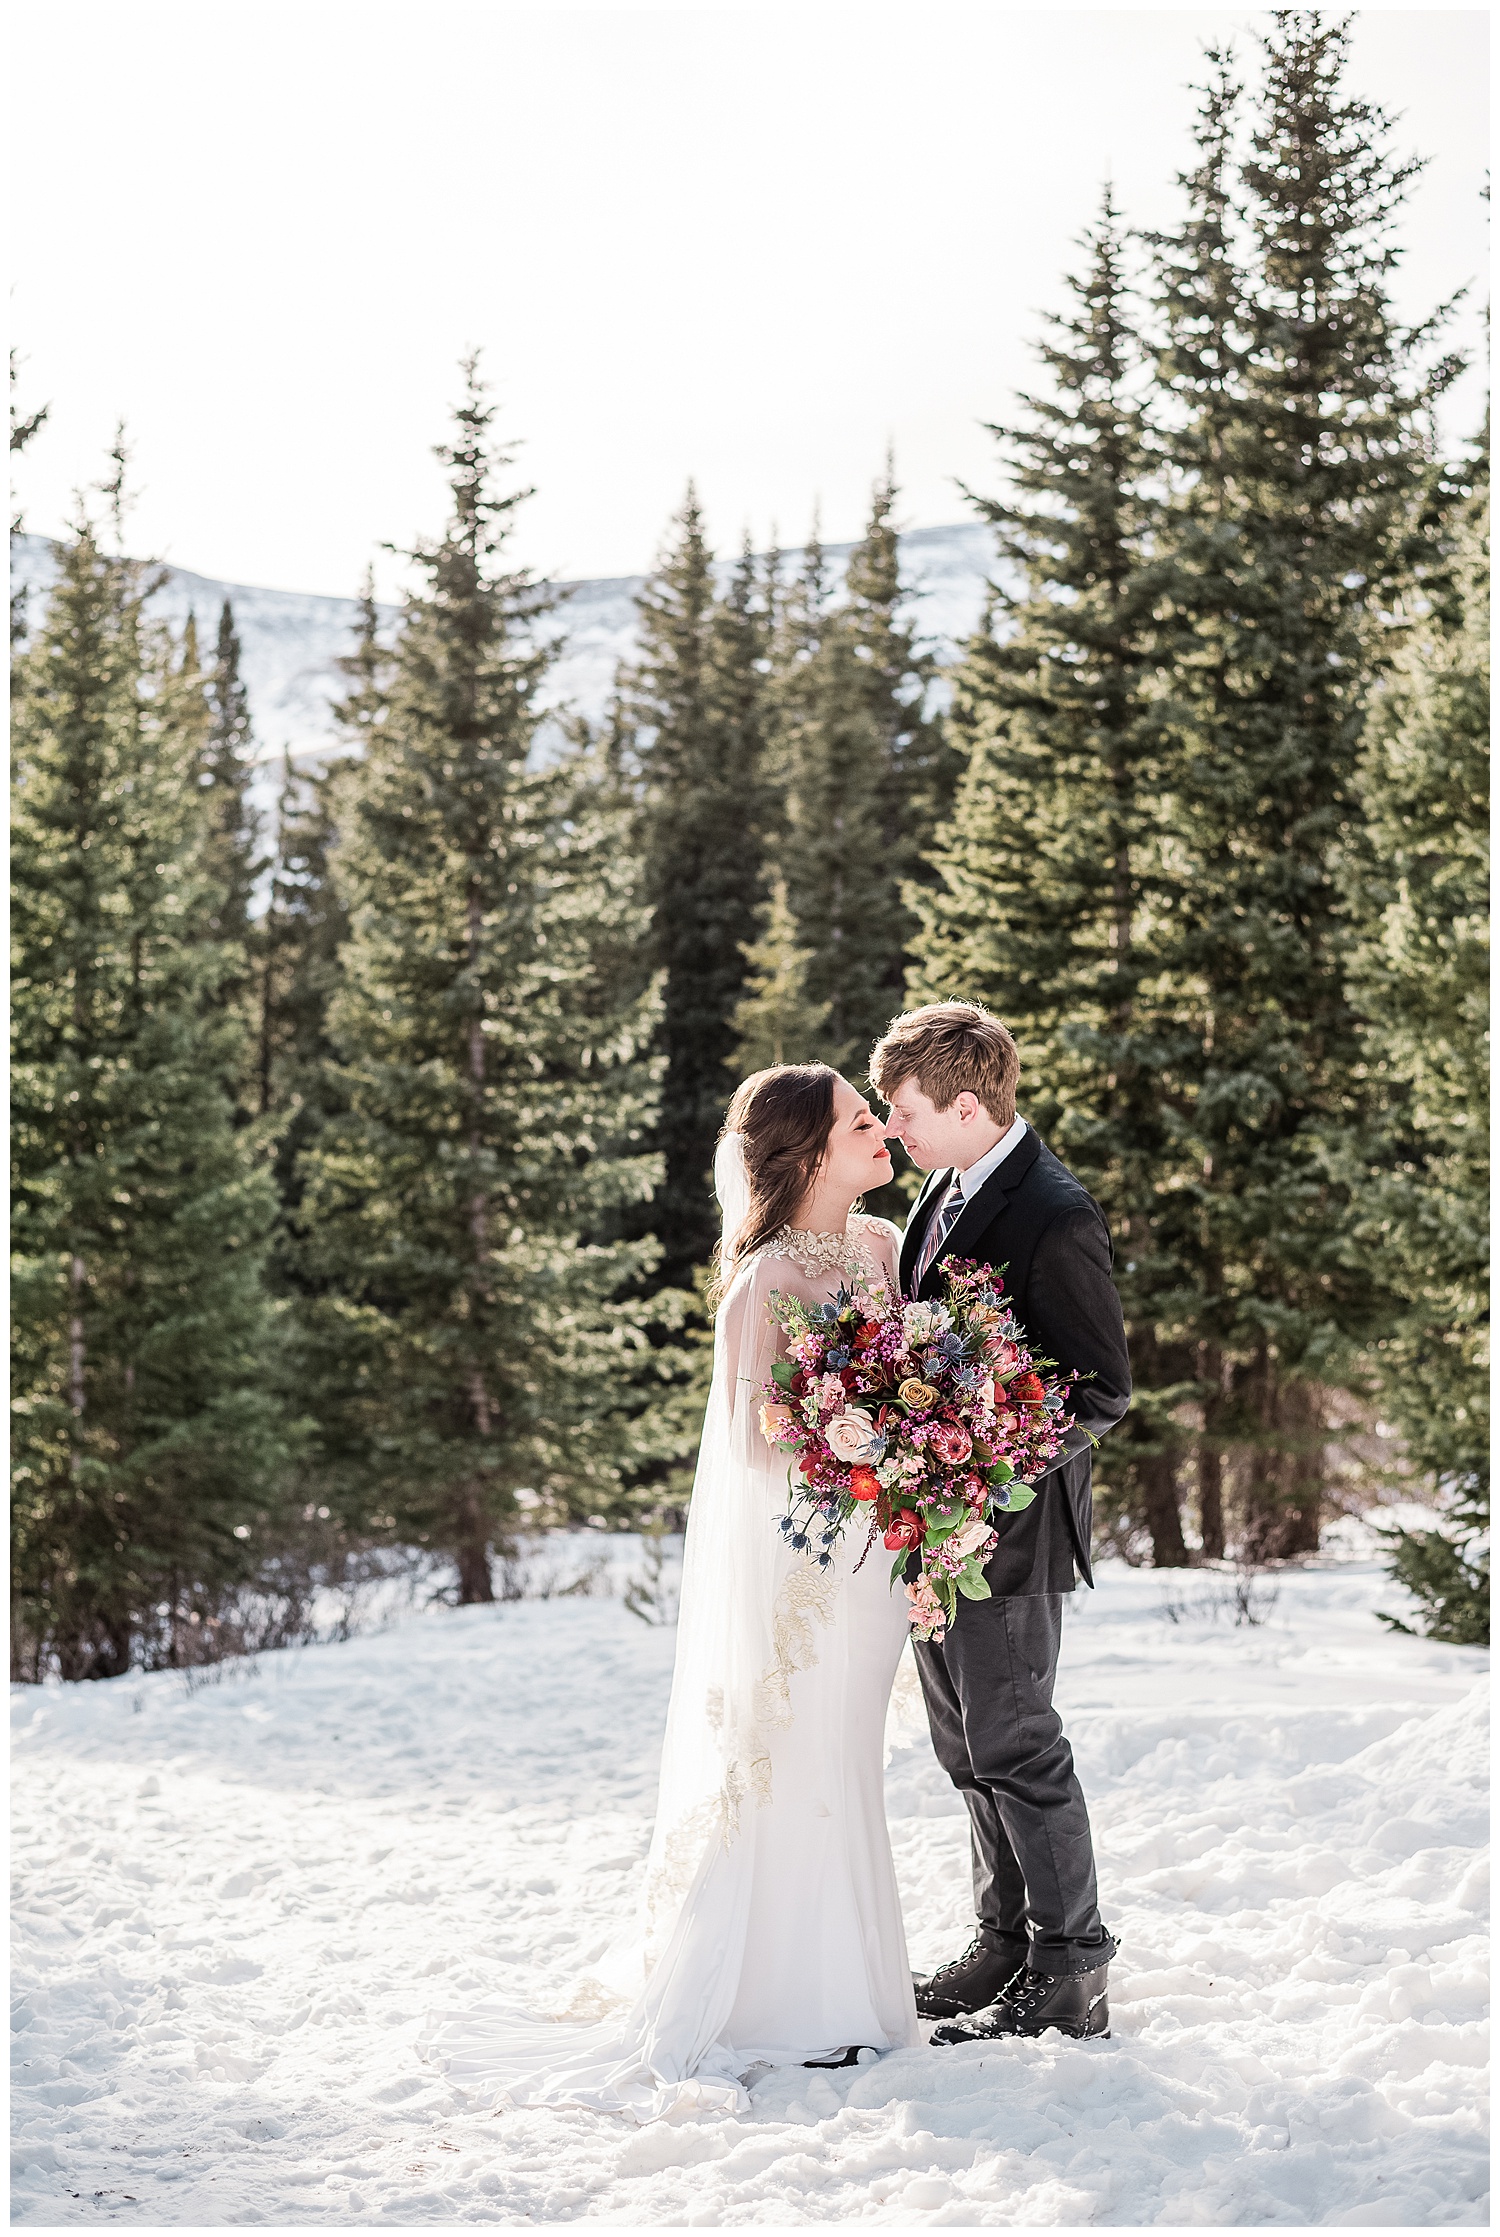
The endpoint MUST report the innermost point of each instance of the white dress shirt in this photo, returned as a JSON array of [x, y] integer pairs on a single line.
[[973, 1180], [961, 1190]]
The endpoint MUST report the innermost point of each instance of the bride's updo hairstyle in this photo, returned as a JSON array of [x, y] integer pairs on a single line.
[[785, 1116]]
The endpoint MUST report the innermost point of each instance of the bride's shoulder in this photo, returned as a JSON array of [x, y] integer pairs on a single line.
[[876, 1229], [761, 1270]]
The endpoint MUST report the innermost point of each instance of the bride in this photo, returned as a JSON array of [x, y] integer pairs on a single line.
[[770, 1930]]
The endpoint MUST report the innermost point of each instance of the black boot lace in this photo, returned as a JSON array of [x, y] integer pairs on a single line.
[[957, 1964], [1033, 1991]]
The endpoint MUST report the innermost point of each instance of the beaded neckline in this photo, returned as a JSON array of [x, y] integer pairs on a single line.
[[818, 1253]]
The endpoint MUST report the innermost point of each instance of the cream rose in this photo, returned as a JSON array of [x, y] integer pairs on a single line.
[[851, 1434], [969, 1537]]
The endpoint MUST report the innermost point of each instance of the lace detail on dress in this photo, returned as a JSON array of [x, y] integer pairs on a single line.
[[806, 1598], [816, 1253]]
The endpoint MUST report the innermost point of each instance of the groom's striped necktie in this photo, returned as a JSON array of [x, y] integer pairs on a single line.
[[938, 1226]]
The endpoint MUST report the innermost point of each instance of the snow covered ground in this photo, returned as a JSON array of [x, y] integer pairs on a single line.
[[235, 1902]]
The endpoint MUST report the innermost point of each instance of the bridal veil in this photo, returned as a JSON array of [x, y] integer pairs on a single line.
[[750, 1610]]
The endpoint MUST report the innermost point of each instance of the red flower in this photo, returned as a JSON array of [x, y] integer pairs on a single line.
[[798, 1384], [848, 1378], [864, 1483], [868, 1331], [808, 1463], [1026, 1390], [906, 1531]]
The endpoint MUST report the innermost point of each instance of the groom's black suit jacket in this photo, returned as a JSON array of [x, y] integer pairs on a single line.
[[1036, 1222]]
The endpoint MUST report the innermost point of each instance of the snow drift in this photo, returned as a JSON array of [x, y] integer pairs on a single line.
[[235, 1903]]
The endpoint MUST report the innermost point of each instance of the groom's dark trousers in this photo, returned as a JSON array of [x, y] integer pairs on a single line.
[[988, 1683]]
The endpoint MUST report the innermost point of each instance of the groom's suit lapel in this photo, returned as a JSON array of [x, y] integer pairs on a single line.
[[982, 1209]]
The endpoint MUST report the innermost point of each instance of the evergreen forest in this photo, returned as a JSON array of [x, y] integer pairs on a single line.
[[361, 1149]]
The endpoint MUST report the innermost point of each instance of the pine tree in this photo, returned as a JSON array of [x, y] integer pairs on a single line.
[[228, 774], [463, 1334], [297, 941], [691, 706], [368, 668], [896, 675], [149, 1461], [23, 427], [1298, 440], [296, 953], [776, 1020], [1053, 884], [864, 775], [1419, 977]]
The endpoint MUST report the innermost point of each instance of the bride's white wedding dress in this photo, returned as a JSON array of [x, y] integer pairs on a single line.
[[770, 1929]]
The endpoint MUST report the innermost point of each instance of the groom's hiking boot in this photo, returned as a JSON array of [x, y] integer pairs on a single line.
[[973, 1981], [1075, 2003]]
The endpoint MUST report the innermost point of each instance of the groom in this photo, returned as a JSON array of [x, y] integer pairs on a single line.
[[996, 1194]]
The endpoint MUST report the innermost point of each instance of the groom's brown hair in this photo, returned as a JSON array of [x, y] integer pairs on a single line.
[[947, 1048]]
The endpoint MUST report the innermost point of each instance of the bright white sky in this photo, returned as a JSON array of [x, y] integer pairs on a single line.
[[748, 244]]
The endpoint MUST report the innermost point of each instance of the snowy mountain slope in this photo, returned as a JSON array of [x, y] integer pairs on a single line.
[[234, 1905], [292, 640]]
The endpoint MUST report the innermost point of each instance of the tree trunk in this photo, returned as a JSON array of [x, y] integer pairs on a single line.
[[471, 1552], [1163, 1510], [1210, 1455], [1284, 1497], [1302, 1473], [1211, 1502]]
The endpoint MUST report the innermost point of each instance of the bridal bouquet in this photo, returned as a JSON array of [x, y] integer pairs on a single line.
[[927, 1417]]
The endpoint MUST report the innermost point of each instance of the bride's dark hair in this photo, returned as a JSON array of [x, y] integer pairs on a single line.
[[786, 1116]]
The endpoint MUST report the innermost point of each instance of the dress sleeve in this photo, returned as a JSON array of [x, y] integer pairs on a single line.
[[885, 1243], [751, 1340]]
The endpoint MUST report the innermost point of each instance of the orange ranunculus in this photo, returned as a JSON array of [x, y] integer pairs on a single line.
[[864, 1483]]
